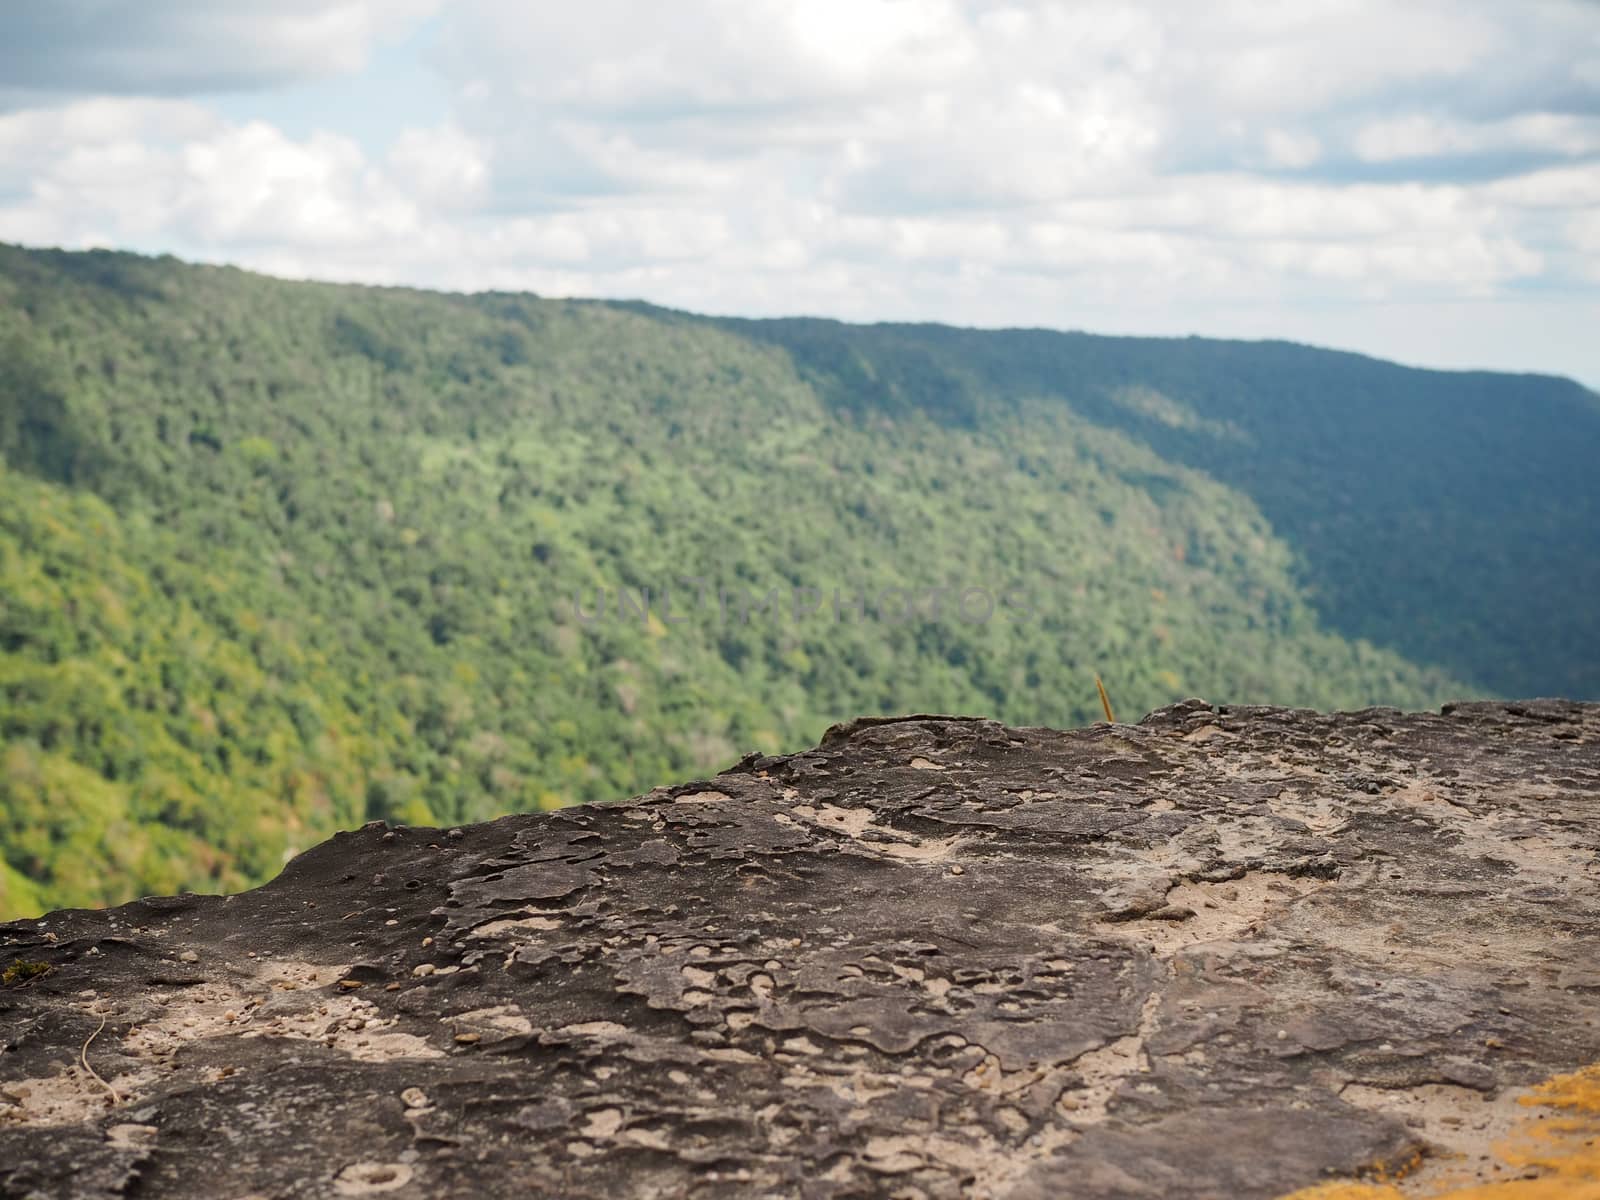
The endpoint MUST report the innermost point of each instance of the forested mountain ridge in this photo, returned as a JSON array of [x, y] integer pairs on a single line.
[[1453, 516], [277, 558]]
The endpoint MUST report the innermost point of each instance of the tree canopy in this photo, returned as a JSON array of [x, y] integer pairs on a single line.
[[278, 558]]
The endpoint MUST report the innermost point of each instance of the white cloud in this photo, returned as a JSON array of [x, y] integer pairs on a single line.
[[168, 171], [444, 167], [1421, 135], [1293, 149], [172, 47], [616, 56], [1553, 187], [1234, 168]]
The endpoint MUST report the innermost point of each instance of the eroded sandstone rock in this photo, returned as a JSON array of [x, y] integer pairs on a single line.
[[1224, 952]]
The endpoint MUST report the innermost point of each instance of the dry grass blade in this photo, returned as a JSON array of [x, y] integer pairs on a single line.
[[83, 1057], [1105, 700]]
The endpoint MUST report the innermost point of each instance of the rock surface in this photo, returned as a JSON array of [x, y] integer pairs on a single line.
[[1223, 952]]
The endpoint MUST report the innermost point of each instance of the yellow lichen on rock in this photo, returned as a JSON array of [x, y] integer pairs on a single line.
[[1553, 1154]]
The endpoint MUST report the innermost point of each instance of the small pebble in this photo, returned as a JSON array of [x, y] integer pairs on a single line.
[[466, 1039], [422, 969], [414, 1097], [188, 956]]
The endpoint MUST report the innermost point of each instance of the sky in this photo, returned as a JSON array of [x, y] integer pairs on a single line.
[[1417, 181]]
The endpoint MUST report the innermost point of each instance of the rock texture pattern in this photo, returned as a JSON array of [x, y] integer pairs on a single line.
[[1223, 952]]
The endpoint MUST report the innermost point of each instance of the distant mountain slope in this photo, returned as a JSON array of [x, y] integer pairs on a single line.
[[276, 558], [1451, 516]]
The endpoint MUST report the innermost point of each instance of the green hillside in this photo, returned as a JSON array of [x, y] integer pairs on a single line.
[[1452, 516], [278, 558]]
